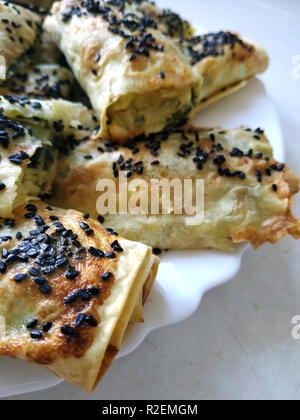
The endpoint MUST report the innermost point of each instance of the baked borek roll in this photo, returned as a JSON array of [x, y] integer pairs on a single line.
[[69, 291], [40, 81], [28, 163], [29, 131], [225, 61], [247, 193], [19, 28], [137, 79]]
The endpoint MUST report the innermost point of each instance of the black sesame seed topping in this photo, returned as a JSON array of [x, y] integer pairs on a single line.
[[36, 335], [106, 276], [116, 246], [68, 331], [20, 277], [32, 324]]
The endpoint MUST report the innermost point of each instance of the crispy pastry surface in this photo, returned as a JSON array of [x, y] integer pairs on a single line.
[[30, 131], [40, 81], [225, 61], [19, 28], [69, 291], [248, 194], [137, 79]]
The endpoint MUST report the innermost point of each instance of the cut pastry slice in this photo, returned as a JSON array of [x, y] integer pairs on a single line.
[[68, 292], [28, 148], [225, 61], [40, 81], [247, 193], [19, 28], [137, 79]]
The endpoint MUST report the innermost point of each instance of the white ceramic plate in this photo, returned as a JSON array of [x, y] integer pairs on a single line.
[[184, 276]]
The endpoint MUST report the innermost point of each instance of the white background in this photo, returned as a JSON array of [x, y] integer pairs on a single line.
[[238, 345]]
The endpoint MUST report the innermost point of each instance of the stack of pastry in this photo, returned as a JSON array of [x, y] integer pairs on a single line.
[[71, 288]]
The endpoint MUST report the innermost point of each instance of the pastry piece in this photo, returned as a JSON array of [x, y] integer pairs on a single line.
[[137, 79], [40, 81], [28, 163], [225, 61], [69, 291], [29, 131], [248, 194], [19, 28]]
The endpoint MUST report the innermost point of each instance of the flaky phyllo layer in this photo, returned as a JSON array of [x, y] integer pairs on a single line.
[[19, 29], [70, 291], [248, 194], [31, 132], [141, 66], [137, 79]]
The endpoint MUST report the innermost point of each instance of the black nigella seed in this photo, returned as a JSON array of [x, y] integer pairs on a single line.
[[93, 290], [84, 226], [79, 320], [85, 295], [67, 330], [96, 252], [40, 281], [32, 324], [72, 275], [274, 187], [71, 298], [20, 277], [31, 208], [157, 251], [91, 321], [47, 326], [258, 176], [3, 267], [162, 75], [242, 175], [106, 276], [116, 246], [110, 255], [36, 335], [35, 272], [2, 186], [46, 289]]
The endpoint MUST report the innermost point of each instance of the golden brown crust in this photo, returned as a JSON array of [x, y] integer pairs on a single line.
[[137, 79], [248, 194], [66, 266], [225, 61], [91, 269]]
